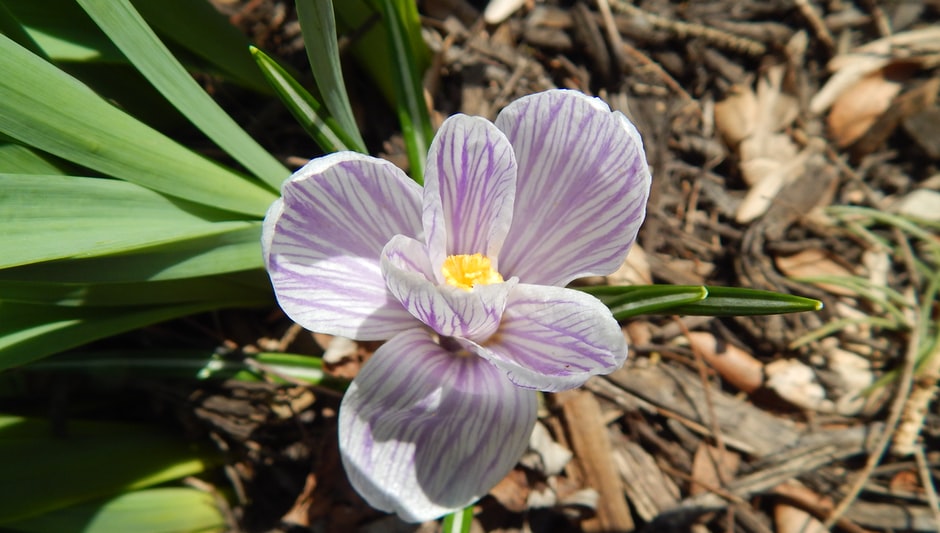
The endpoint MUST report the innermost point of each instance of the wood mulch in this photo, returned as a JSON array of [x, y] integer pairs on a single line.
[[769, 125]]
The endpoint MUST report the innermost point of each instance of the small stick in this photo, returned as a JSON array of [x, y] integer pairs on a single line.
[[613, 35], [710, 405], [894, 416], [927, 481], [816, 22], [687, 29], [652, 65]]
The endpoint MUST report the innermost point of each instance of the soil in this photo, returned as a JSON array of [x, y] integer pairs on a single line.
[[765, 176]]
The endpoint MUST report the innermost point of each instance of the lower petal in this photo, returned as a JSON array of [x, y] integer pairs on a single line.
[[554, 339], [424, 431]]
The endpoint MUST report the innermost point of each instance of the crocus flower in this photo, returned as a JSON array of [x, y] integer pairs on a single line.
[[465, 279]]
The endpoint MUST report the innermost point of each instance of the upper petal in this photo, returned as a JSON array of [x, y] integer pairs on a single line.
[[424, 432], [448, 310], [553, 339], [468, 190], [581, 191], [323, 238]]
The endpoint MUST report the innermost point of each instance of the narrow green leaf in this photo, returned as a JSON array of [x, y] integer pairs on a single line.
[[18, 159], [411, 107], [45, 108], [190, 365], [314, 119], [54, 217], [459, 521], [628, 301], [361, 21], [243, 288], [159, 510], [124, 25], [319, 29], [30, 332], [734, 301], [62, 31], [206, 33], [12, 28], [90, 461], [221, 253]]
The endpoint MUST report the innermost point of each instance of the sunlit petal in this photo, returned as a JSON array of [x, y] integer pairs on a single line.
[[323, 238], [469, 187], [554, 339], [581, 192], [448, 310], [424, 432]]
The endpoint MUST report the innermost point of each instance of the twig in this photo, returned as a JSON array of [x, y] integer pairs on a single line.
[[811, 15], [655, 67], [688, 29], [878, 15], [613, 35], [289, 337], [710, 405], [924, 389], [927, 481], [878, 451]]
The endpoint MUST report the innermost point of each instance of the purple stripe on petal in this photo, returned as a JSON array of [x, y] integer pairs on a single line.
[[582, 187], [469, 187], [449, 311], [424, 432], [323, 238], [553, 339]]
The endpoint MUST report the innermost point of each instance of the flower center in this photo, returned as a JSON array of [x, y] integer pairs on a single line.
[[467, 271]]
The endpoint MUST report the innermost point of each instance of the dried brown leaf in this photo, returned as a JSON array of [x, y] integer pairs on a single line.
[[735, 366], [859, 106], [815, 262]]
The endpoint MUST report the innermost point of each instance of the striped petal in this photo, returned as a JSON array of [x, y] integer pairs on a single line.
[[468, 191], [449, 311], [424, 431], [554, 339], [323, 238], [582, 188]]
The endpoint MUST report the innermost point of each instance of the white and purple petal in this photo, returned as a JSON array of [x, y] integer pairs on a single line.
[[323, 238], [449, 311], [554, 339], [469, 186], [424, 431], [581, 189]]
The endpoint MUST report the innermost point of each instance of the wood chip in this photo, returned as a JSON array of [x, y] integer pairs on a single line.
[[591, 445], [678, 392], [651, 491]]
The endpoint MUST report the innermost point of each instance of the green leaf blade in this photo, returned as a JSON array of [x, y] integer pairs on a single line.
[[158, 510], [55, 217], [124, 25], [735, 301], [29, 332], [318, 25], [219, 253], [629, 301], [93, 460], [314, 119], [411, 108], [45, 108]]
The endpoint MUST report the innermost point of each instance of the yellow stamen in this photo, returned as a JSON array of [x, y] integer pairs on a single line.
[[467, 271]]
